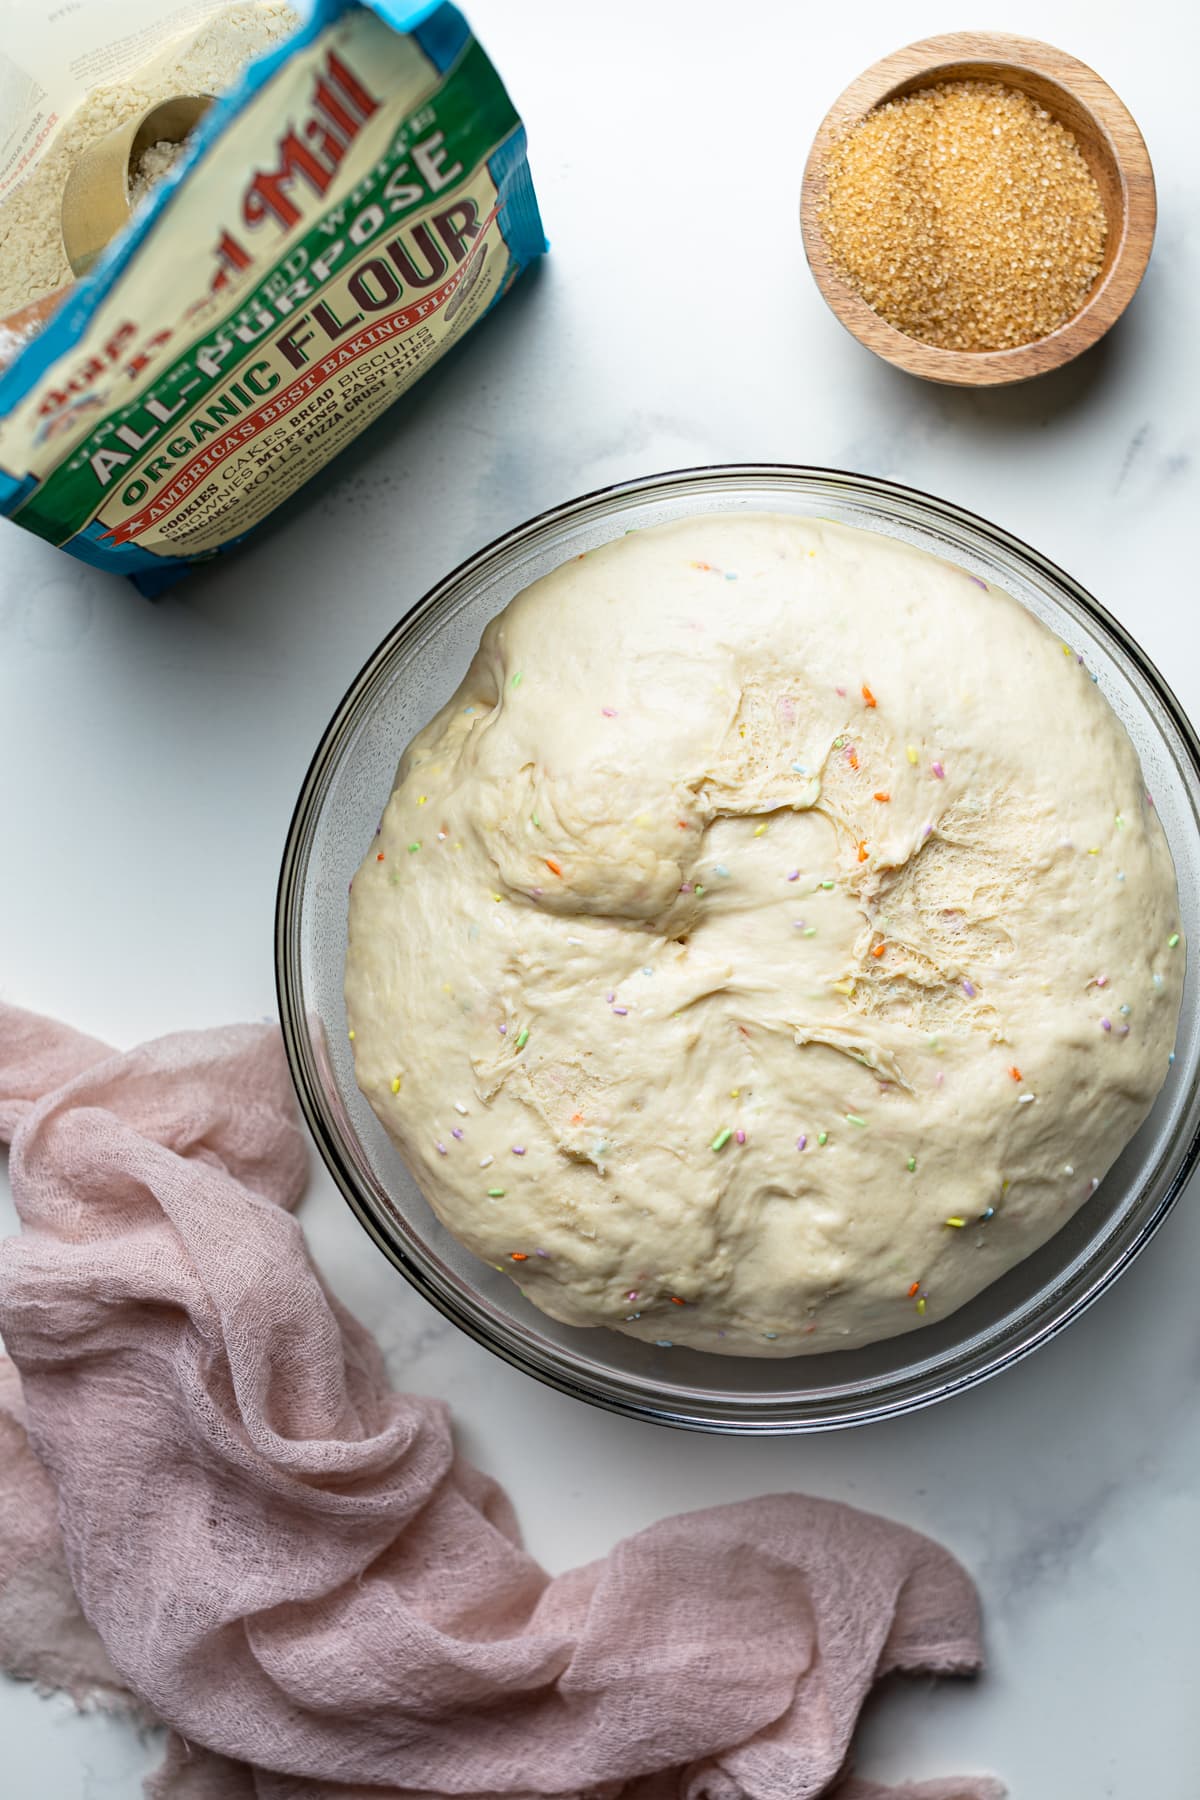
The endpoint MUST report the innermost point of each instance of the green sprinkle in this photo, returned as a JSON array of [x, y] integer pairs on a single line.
[[699, 891], [537, 823], [911, 1165], [518, 678], [721, 1139], [1120, 823], [495, 1193], [524, 1037], [827, 884], [1172, 940], [810, 931], [854, 1119], [822, 1137], [413, 848]]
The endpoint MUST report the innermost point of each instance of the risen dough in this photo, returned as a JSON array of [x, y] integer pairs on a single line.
[[769, 945]]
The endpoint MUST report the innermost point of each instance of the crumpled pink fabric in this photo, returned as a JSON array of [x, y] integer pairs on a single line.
[[288, 1563]]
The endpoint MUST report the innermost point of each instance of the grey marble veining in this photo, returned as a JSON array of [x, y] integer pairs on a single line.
[[160, 750]]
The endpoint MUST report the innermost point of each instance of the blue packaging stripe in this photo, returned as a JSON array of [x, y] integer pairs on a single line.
[[520, 220]]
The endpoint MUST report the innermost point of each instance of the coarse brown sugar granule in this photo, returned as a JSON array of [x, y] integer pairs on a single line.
[[965, 215]]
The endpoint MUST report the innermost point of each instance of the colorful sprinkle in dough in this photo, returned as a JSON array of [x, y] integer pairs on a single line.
[[993, 936]]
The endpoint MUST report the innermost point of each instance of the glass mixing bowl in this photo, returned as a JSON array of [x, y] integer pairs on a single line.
[[411, 675]]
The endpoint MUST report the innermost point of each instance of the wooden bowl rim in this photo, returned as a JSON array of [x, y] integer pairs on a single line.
[[1115, 125]]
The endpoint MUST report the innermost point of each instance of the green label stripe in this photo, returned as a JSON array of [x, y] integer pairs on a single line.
[[475, 114]]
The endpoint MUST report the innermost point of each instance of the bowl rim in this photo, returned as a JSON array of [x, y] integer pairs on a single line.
[[554, 1370], [920, 62]]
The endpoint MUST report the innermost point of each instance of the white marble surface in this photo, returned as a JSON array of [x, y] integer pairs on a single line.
[[151, 756]]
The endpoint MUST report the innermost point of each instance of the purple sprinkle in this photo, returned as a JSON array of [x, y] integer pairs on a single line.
[[518, 1149], [622, 1012], [801, 1141], [793, 875], [799, 924], [740, 1136], [535, 893], [544, 1253], [440, 1148], [610, 712], [926, 832], [503, 1030], [978, 582], [457, 1132], [1106, 1024], [609, 998], [1124, 1031], [968, 988], [939, 771]]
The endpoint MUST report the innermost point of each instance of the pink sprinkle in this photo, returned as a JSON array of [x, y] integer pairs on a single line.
[[632, 1294], [440, 1148], [740, 1136], [840, 691], [1102, 981], [801, 1142], [968, 989], [1106, 1024], [939, 1079], [793, 875], [1149, 798], [1124, 1031], [799, 924], [535, 893], [457, 1132], [939, 771], [610, 712], [518, 1149], [686, 888], [622, 1012]]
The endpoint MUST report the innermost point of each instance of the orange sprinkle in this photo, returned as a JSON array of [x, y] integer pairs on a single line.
[[878, 949], [882, 796], [868, 696], [379, 858], [853, 759], [554, 868], [862, 850], [519, 1256], [683, 824], [914, 1289], [577, 1118], [1015, 1072], [676, 1301]]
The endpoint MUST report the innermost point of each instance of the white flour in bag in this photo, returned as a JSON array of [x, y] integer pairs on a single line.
[[33, 261]]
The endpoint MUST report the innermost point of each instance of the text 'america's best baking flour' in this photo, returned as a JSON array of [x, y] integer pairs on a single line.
[[349, 210]]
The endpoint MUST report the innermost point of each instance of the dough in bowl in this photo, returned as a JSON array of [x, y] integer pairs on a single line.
[[770, 944]]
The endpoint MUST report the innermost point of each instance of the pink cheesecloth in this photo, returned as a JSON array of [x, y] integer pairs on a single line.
[[215, 1512]]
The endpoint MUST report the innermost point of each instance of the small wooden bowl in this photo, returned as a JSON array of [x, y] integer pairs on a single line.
[[1109, 141]]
